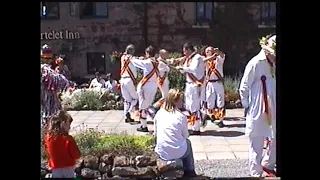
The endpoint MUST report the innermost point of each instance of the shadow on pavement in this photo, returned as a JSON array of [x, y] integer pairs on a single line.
[[234, 119], [135, 122], [222, 133], [234, 125]]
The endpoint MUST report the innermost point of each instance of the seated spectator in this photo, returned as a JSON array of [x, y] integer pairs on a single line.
[[111, 84], [97, 82], [171, 131]]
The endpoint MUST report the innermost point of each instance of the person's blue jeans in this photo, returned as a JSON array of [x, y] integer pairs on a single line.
[[187, 158]]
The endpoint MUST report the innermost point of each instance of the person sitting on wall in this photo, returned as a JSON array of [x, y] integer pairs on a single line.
[[171, 132], [111, 84], [97, 82]]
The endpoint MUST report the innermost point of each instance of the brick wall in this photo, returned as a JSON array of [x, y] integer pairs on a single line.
[[234, 29]]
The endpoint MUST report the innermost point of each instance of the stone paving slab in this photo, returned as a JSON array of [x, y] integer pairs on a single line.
[[221, 155], [199, 156], [213, 143]]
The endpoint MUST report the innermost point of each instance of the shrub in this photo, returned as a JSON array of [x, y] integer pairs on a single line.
[[177, 80], [231, 86], [88, 100], [125, 144], [175, 55], [98, 143], [91, 100]]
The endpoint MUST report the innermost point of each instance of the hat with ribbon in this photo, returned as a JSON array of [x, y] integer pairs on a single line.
[[46, 52], [58, 60], [268, 44]]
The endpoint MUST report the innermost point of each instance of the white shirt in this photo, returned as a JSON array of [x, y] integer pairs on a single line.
[[197, 67], [251, 94], [163, 68], [110, 85], [95, 83], [219, 67], [146, 66], [171, 130], [131, 67]]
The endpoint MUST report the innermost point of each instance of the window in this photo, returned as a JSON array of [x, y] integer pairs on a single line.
[[204, 11], [268, 13], [74, 9], [49, 10], [96, 62], [94, 10]]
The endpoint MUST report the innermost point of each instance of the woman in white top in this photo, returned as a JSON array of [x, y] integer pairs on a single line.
[[171, 131], [111, 84], [97, 82]]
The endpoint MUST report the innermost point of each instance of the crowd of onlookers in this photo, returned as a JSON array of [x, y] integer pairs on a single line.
[[109, 84]]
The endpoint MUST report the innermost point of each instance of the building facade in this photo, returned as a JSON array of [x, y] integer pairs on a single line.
[[87, 33]]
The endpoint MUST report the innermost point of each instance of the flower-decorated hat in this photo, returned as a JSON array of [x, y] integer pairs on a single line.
[[268, 44], [46, 52], [58, 60]]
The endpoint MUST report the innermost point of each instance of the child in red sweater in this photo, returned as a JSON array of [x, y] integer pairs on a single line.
[[61, 147]]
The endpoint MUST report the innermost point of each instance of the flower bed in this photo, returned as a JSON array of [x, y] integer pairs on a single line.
[[118, 155], [92, 100]]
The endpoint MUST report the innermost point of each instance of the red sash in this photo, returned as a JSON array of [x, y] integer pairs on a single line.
[[154, 71], [125, 67]]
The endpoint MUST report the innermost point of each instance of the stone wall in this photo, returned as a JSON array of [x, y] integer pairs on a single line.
[[234, 28], [109, 166]]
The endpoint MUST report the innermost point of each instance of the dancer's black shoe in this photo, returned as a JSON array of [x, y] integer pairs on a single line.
[[142, 129]]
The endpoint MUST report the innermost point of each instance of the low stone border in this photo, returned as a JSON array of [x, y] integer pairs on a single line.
[[109, 166]]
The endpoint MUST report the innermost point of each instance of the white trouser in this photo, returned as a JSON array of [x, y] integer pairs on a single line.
[[146, 95], [165, 88], [203, 94], [214, 95], [192, 101], [129, 95], [256, 160]]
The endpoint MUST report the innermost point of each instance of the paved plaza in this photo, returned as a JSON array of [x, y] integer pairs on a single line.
[[214, 143]]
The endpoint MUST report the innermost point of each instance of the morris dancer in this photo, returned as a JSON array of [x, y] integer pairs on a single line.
[[214, 89], [194, 70], [163, 81], [201, 51], [147, 87], [258, 94], [128, 82]]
